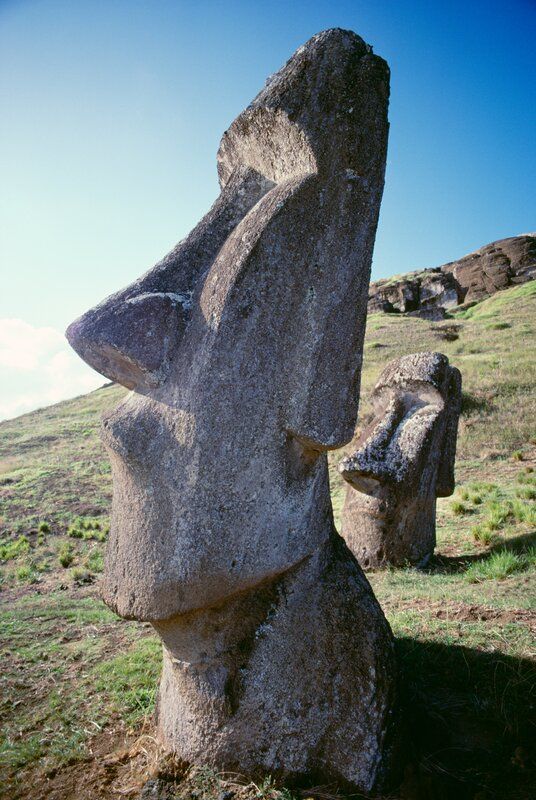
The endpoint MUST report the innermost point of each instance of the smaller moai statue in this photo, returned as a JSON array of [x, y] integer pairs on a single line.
[[403, 461]]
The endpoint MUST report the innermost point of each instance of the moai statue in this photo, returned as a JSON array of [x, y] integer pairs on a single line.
[[403, 461], [243, 349]]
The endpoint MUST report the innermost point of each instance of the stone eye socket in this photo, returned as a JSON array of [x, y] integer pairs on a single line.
[[401, 407]]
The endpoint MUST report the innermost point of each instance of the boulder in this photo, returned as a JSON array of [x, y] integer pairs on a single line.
[[494, 267]]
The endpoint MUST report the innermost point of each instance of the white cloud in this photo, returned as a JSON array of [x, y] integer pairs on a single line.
[[38, 368]]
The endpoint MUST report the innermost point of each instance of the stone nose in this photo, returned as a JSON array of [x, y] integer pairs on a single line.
[[364, 470], [132, 341], [375, 461]]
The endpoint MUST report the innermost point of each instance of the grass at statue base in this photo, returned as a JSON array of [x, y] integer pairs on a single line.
[[78, 684]]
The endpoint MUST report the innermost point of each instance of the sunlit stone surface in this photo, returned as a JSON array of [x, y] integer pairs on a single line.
[[243, 347]]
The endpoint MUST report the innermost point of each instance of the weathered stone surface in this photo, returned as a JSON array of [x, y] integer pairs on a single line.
[[243, 347], [402, 462], [494, 267], [474, 277], [432, 313], [416, 292]]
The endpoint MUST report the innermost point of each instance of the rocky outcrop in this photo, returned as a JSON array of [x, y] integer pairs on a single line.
[[472, 278]]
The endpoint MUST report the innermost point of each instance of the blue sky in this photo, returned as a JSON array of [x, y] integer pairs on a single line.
[[112, 113]]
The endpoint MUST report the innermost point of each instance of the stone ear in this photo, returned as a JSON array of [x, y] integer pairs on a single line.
[[453, 400], [131, 341]]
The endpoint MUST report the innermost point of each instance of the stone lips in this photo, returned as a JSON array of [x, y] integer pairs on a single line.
[[474, 277], [402, 462], [243, 347]]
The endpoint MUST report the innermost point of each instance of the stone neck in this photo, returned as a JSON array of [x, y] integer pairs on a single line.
[[208, 653]]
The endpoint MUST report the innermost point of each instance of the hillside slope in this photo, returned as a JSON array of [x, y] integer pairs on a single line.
[[78, 684]]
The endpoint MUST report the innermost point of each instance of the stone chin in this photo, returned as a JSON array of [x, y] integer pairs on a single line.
[[375, 496], [163, 598], [148, 604], [151, 575], [160, 597]]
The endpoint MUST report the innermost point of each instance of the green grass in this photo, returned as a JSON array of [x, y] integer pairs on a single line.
[[95, 560], [80, 575], [131, 680], [14, 549], [497, 326], [484, 534], [73, 679], [65, 554], [53, 466], [499, 566], [458, 508], [26, 574], [501, 302]]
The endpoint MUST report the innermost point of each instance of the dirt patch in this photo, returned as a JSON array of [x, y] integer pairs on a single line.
[[118, 765], [474, 613], [60, 580], [489, 469], [462, 612], [449, 332]]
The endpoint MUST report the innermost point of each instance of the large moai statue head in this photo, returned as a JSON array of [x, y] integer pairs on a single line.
[[243, 350], [403, 461]]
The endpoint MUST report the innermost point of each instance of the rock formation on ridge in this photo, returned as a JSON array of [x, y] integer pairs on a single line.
[[469, 279]]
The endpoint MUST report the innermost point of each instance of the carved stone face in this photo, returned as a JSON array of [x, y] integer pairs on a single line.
[[232, 345], [403, 461]]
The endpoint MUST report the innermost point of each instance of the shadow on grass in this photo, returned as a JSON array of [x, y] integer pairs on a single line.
[[455, 564], [469, 723]]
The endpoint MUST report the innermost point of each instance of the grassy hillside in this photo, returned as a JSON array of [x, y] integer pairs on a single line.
[[78, 684]]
